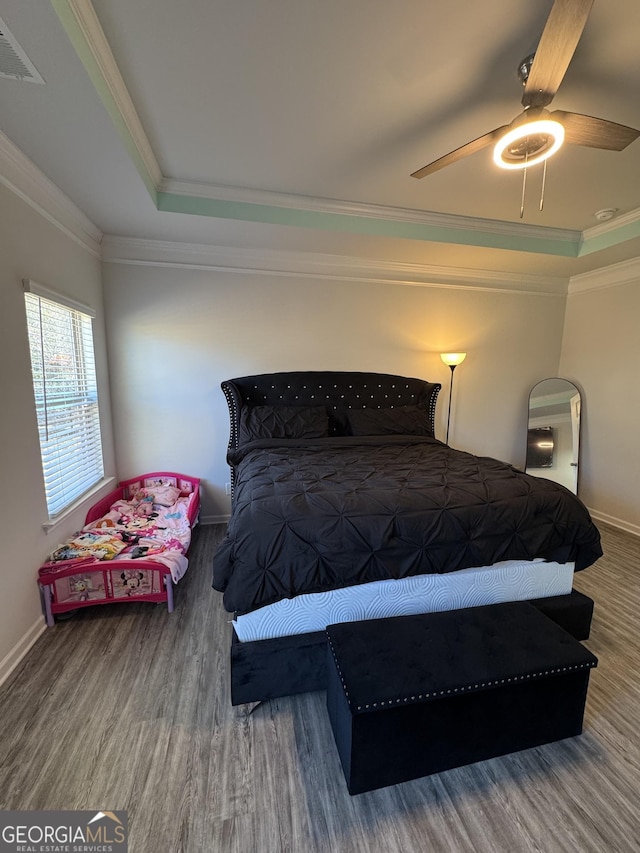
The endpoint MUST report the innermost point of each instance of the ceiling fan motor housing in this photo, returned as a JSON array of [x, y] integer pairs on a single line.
[[529, 145], [524, 69]]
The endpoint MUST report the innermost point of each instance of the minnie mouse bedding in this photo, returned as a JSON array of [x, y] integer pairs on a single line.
[[152, 524], [134, 540]]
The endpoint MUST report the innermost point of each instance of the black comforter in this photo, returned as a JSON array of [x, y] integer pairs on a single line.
[[315, 515]]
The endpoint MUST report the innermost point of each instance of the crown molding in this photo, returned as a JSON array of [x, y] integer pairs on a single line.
[[381, 220], [144, 252], [617, 230], [630, 218], [245, 195], [625, 272], [24, 179], [81, 23]]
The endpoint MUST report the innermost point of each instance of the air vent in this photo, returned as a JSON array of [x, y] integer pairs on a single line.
[[14, 62]]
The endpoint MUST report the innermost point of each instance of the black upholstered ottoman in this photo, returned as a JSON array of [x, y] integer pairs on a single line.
[[414, 695], [572, 612]]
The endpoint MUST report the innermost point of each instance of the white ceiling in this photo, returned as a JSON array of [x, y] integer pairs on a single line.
[[325, 106]]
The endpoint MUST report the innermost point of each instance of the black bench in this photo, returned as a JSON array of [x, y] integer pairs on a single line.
[[415, 695]]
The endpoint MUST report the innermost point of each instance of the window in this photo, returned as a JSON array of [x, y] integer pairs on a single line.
[[66, 395]]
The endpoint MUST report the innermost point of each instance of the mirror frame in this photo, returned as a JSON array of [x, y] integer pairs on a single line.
[[553, 431]]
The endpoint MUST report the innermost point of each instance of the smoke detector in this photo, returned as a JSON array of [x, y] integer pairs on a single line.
[[14, 62], [605, 214]]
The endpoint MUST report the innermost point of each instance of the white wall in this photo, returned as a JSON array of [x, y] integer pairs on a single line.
[[175, 334], [601, 354], [31, 247]]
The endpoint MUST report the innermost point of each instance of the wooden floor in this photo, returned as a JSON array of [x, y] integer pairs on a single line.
[[127, 707]]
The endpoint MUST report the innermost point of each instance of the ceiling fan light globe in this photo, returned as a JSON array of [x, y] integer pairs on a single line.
[[528, 144]]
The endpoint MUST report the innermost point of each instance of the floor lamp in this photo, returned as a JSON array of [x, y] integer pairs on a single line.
[[453, 359]]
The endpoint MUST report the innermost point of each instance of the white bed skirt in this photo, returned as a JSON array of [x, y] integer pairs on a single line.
[[511, 580]]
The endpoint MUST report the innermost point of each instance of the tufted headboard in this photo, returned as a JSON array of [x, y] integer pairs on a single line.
[[338, 390]]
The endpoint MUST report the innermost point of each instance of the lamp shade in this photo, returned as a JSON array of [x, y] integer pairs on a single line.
[[453, 358]]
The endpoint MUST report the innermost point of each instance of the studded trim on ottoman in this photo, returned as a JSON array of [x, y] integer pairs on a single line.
[[415, 695]]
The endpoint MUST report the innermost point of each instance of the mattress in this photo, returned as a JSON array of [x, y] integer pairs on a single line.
[[509, 580]]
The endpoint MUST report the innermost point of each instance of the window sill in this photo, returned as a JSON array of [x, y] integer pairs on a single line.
[[48, 526]]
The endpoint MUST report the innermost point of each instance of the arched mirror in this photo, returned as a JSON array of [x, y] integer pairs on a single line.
[[553, 432]]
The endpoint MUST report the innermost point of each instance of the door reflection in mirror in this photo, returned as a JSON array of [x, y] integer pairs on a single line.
[[553, 432]]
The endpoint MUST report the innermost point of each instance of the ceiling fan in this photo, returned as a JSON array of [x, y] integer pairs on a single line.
[[535, 134]]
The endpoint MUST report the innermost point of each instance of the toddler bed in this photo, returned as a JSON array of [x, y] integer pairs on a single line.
[[132, 547], [346, 507]]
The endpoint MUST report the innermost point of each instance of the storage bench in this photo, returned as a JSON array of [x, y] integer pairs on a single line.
[[414, 695]]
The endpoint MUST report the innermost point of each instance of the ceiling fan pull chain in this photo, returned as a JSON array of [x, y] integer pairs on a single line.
[[524, 186], [544, 181]]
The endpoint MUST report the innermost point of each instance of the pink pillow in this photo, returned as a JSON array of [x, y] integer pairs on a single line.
[[165, 495]]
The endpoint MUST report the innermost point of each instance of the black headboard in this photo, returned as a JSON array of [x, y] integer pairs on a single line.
[[338, 390]]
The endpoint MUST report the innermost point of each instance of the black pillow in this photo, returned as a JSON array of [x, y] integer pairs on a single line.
[[397, 420], [283, 422]]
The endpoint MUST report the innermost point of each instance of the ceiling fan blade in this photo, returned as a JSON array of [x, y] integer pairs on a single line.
[[595, 132], [464, 151], [555, 50]]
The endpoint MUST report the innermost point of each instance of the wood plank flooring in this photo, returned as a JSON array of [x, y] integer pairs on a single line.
[[127, 707]]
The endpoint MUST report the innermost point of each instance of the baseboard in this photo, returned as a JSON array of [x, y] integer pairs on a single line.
[[214, 519], [11, 660], [627, 526]]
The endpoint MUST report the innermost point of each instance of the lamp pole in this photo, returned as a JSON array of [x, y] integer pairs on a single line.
[[453, 359], [453, 367]]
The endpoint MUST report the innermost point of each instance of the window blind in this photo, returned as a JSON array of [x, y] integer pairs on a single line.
[[66, 397]]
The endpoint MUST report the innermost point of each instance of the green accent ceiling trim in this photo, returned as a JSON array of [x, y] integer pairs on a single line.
[[373, 226], [611, 237], [68, 20], [376, 225]]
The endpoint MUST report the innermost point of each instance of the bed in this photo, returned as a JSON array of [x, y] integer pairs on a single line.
[[133, 546], [346, 507]]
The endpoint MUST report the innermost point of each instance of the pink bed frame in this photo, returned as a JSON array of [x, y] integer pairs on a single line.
[[84, 582]]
